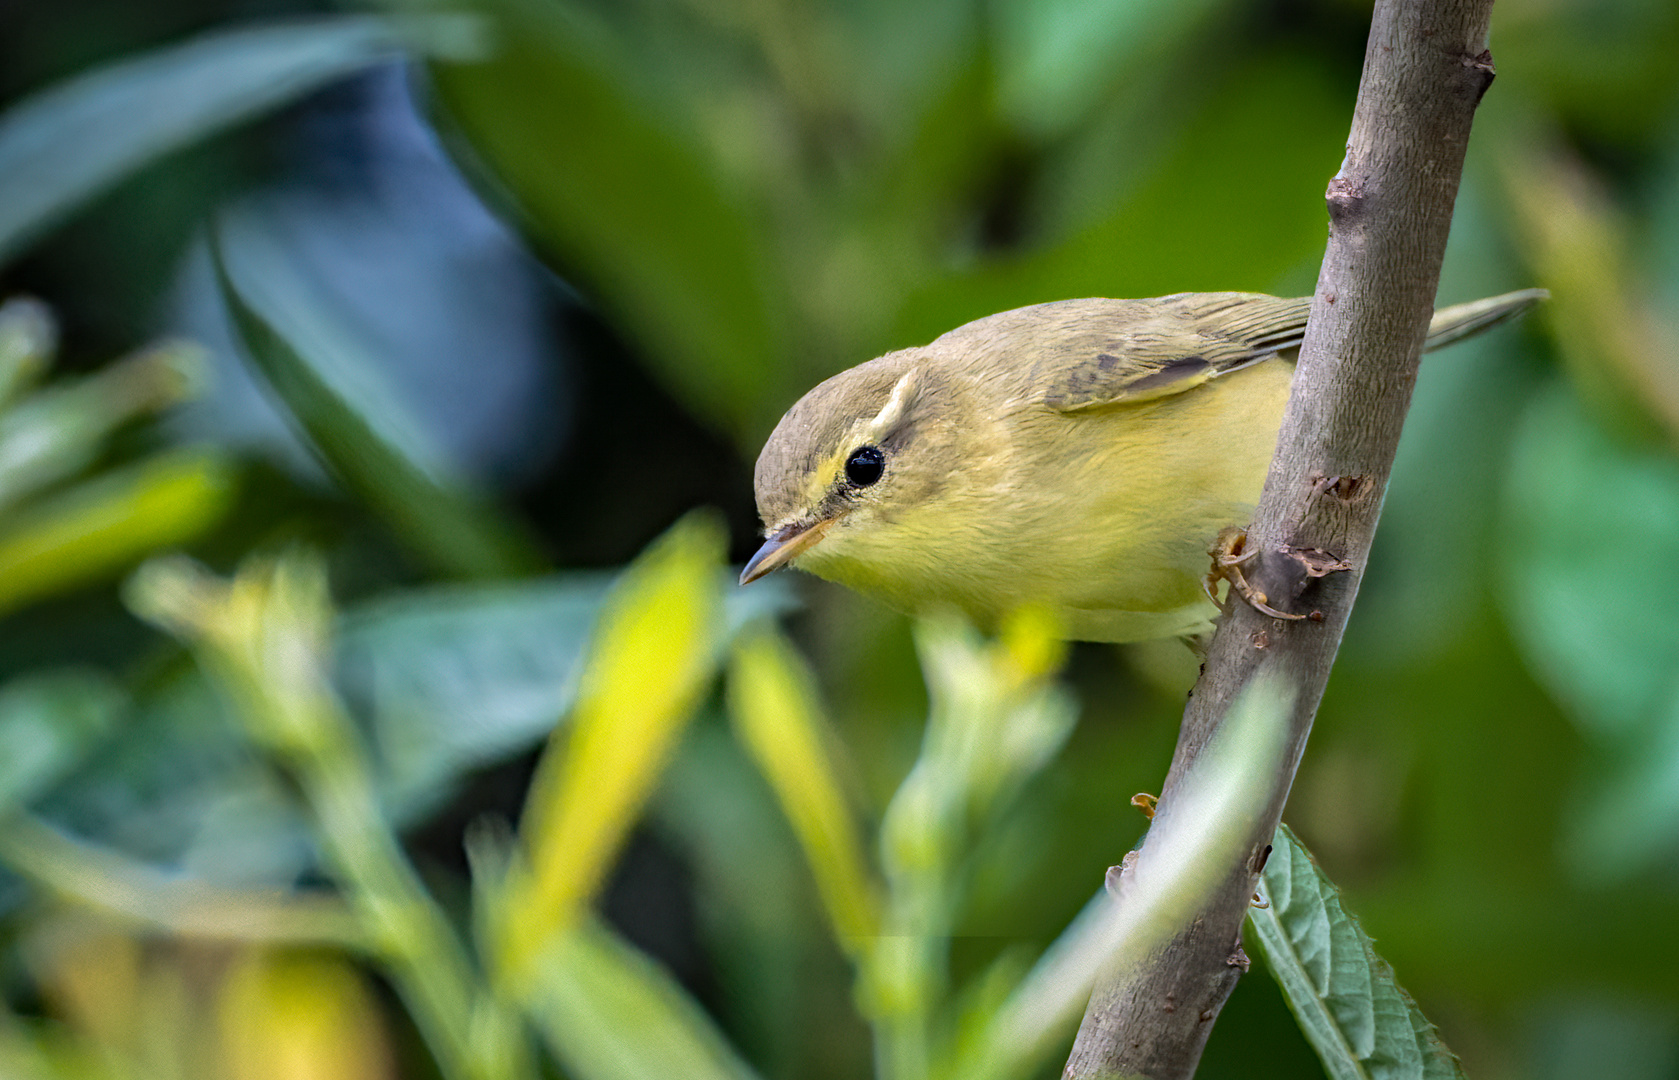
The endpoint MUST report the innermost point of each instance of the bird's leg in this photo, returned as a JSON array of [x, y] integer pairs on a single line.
[[1228, 557]]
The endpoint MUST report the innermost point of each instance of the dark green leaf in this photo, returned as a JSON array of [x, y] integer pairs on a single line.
[[179, 785], [70, 142], [1141, 241], [1356, 1016], [48, 723], [452, 527], [460, 677], [629, 200]]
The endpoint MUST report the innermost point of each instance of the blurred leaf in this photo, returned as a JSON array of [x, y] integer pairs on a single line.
[[264, 638], [451, 678], [460, 533], [454, 678], [48, 724], [1618, 350], [291, 1015], [1603, 69], [1058, 59], [27, 1054], [100, 987], [28, 340], [459, 676], [70, 142], [758, 919], [1146, 243], [996, 717], [1579, 503], [1288, 115], [101, 526], [776, 714], [1156, 892], [650, 657], [180, 785], [57, 432], [1576, 1033], [1358, 1018], [630, 202], [104, 880], [610, 1013]]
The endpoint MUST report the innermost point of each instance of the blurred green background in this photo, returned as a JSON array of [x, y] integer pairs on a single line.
[[481, 299]]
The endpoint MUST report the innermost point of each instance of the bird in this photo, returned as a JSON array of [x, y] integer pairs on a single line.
[[1077, 456]]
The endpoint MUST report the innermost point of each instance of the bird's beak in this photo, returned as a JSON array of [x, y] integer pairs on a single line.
[[782, 548]]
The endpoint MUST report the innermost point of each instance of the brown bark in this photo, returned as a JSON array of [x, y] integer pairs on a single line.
[[1390, 207]]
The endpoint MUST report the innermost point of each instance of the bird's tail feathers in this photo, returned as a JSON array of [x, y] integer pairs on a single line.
[[1465, 320]]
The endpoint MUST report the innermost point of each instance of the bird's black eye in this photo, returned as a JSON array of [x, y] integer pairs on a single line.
[[864, 466]]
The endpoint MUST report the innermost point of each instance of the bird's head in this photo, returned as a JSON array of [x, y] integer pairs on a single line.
[[850, 464]]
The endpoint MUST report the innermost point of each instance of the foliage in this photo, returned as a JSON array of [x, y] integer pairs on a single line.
[[226, 828], [1359, 1020]]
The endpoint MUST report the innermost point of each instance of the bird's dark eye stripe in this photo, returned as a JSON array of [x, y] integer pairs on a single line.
[[864, 466]]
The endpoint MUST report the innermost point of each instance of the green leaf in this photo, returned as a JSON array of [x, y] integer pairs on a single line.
[[103, 525], [70, 142], [451, 526], [179, 785], [1281, 125], [28, 341], [1580, 606], [57, 432], [459, 676], [650, 657], [1058, 59], [1358, 1018], [1587, 515], [48, 723], [608, 1012], [634, 206], [777, 715]]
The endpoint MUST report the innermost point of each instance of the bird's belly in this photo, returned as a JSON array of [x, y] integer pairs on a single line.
[[1116, 543], [1110, 577]]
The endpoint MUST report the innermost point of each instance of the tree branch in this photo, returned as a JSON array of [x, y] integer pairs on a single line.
[[1390, 207]]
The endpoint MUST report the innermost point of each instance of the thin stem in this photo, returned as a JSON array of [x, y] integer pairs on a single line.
[[428, 963]]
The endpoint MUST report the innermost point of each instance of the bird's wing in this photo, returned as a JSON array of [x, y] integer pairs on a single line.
[[1177, 344]]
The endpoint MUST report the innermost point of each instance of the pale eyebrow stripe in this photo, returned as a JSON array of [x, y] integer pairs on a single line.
[[893, 411]]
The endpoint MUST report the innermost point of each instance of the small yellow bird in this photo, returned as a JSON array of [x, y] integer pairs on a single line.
[[1079, 456]]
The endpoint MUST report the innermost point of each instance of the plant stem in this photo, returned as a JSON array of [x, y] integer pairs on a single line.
[[428, 963]]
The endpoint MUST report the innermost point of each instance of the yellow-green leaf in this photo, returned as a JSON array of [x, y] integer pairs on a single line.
[[773, 703], [651, 656], [610, 1013], [101, 526]]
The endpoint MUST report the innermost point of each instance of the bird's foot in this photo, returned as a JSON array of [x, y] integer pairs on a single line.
[[1229, 552]]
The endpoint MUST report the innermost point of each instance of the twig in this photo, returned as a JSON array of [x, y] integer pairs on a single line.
[[1390, 206]]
